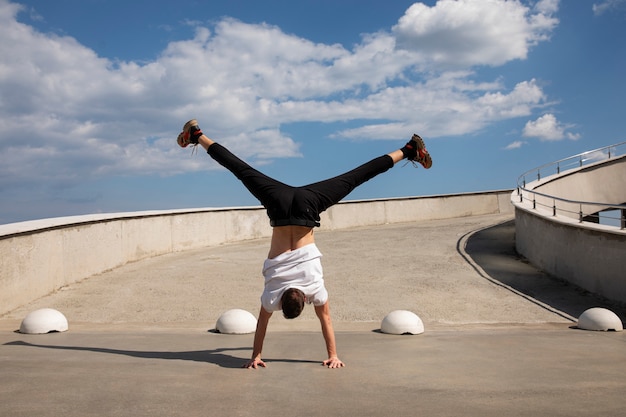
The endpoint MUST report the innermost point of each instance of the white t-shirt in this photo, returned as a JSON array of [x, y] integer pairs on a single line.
[[301, 269]]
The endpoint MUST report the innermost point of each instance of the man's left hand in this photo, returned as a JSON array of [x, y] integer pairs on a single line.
[[333, 363]]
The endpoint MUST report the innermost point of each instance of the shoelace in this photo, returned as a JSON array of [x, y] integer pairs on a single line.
[[413, 162]]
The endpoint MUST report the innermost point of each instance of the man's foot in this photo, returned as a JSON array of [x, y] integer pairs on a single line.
[[421, 155], [190, 134]]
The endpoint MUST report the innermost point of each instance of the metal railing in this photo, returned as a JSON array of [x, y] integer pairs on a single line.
[[585, 210]]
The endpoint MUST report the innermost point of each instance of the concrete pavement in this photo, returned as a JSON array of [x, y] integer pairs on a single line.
[[499, 336]]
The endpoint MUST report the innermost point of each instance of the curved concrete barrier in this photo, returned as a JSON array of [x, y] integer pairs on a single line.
[[41, 256], [590, 255]]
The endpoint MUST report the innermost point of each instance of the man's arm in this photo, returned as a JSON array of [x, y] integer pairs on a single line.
[[259, 337], [323, 313]]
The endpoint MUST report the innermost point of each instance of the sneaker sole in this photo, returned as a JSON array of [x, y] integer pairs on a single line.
[[183, 137], [427, 161], [181, 140]]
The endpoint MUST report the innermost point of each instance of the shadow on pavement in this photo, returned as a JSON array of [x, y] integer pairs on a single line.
[[214, 356]]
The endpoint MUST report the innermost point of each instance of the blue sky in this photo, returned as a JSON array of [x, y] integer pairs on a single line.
[[93, 94]]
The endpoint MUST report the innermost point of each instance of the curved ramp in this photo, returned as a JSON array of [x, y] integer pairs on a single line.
[[368, 271]]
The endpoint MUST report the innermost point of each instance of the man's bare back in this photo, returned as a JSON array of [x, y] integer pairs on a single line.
[[288, 238]]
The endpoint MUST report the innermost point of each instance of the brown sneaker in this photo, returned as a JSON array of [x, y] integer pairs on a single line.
[[190, 134], [422, 157]]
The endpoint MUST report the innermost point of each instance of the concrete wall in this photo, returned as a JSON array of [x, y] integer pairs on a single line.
[[39, 257], [592, 257], [589, 255], [601, 182]]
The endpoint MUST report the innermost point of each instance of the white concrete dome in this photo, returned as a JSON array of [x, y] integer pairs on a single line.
[[402, 322], [600, 319], [236, 321], [45, 320]]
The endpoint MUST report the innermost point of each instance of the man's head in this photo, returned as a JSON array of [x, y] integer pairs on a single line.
[[292, 303]]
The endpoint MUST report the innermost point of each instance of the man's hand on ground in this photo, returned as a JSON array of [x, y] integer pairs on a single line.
[[254, 363], [333, 363]]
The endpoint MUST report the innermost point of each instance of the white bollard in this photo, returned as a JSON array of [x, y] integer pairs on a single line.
[[45, 320], [236, 321], [402, 322], [600, 319]]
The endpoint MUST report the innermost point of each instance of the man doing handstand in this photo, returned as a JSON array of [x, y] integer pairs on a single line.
[[293, 270]]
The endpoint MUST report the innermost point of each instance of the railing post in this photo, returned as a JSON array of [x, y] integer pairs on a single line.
[[534, 202], [580, 214], [553, 207], [623, 219]]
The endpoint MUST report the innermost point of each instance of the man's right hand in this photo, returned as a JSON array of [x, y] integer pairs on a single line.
[[254, 363]]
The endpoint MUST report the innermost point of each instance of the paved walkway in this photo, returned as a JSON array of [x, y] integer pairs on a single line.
[[499, 339]]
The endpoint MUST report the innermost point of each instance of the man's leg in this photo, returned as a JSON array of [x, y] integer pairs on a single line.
[[274, 195], [264, 188], [333, 190]]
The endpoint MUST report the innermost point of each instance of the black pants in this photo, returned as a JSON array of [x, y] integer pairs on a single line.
[[301, 206]]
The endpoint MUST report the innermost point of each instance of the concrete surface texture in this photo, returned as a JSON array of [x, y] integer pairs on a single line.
[[499, 335]]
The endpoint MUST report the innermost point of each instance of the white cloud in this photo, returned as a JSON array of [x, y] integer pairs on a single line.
[[78, 115], [444, 106], [474, 32], [547, 7], [515, 145], [608, 6], [547, 127]]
